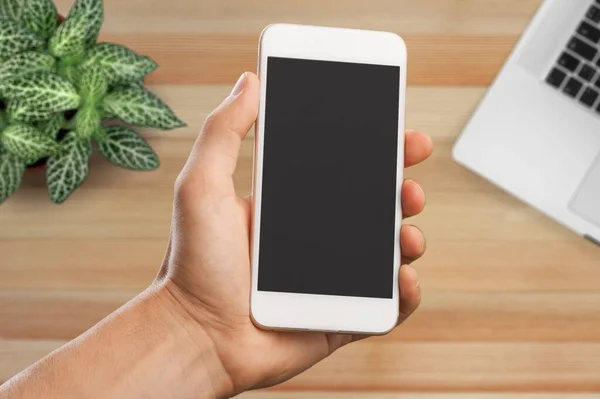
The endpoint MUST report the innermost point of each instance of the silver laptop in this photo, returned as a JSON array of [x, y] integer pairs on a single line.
[[536, 133]]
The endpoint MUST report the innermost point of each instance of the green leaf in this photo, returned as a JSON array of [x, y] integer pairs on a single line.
[[69, 38], [67, 170], [87, 121], [27, 142], [140, 107], [137, 83], [69, 69], [51, 126], [40, 16], [108, 115], [93, 85], [12, 169], [127, 149], [16, 38], [26, 63], [93, 11], [43, 91], [11, 9], [120, 64], [24, 111]]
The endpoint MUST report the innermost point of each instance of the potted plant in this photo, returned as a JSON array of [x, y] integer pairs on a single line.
[[61, 91]]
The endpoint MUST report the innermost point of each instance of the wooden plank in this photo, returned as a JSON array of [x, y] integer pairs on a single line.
[[496, 264], [19, 354], [434, 60], [453, 194], [442, 112], [423, 367], [241, 16], [444, 316], [54, 315], [411, 395], [438, 367]]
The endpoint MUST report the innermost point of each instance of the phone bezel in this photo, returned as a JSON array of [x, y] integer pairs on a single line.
[[305, 312]]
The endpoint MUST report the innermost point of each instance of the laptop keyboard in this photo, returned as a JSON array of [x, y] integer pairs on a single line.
[[577, 70]]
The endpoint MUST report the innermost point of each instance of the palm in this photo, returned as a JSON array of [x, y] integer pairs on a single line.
[[216, 274]]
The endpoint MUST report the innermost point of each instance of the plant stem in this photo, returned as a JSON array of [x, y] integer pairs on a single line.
[[69, 125], [3, 120]]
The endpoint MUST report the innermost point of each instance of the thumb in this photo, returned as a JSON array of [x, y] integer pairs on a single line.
[[215, 153]]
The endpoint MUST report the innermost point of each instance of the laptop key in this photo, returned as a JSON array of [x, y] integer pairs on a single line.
[[580, 47], [573, 87], [594, 14], [587, 72], [568, 61], [589, 32], [556, 77], [589, 97]]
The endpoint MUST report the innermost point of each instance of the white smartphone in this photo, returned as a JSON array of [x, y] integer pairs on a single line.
[[329, 157]]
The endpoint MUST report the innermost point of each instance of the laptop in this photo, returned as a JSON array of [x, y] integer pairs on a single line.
[[536, 134]]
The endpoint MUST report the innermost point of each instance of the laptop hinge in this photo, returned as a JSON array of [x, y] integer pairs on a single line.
[[592, 239]]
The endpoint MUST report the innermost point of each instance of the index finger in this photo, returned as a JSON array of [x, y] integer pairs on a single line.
[[417, 147]]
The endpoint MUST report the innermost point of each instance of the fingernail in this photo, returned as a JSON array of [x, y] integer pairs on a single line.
[[239, 86], [420, 189]]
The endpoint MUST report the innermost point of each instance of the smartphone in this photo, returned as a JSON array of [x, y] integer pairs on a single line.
[[328, 166]]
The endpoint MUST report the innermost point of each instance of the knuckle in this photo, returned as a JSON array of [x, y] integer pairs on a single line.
[[183, 189], [193, 187], [211, 122]]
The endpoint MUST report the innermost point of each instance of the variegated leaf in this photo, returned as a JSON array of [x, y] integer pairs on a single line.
[[87, 121], [46, 92], [127, 149], [70, 71], [11, 9], [69, 39], [136, 83], [12, 169], [40, 16], [140, 107], [120, 64], [107, 115], [94, 15], [24, 111], [93, 85], [16, 38], [67, 170], [27, 142], [50, 127], [25, 63]]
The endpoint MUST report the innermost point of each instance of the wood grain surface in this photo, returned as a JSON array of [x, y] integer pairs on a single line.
[[511, 305]]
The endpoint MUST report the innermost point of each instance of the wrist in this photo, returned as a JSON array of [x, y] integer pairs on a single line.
[[197, 355]]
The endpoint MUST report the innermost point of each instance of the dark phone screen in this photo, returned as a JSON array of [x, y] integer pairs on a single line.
[[329, 178]]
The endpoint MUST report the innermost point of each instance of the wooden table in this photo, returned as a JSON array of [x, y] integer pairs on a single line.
[[511, 301]]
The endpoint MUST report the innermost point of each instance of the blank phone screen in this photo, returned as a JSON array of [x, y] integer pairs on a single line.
[[327, 222]]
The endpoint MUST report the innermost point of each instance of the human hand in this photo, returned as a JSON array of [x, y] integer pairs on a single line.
[[206, 271]]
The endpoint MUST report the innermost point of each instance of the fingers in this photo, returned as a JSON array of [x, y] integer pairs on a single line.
[[413, 198], [418, 147], [215, 152], [410, 292], [412, 243]]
